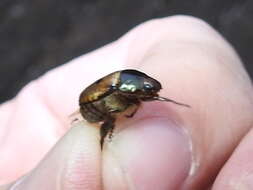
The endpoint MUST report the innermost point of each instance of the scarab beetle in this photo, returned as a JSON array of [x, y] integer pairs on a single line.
[[113, 94]]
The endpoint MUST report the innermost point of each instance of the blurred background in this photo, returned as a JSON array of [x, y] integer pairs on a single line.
[[38, 35]]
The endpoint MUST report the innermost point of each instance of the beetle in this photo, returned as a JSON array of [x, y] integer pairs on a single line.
[[113, 94]]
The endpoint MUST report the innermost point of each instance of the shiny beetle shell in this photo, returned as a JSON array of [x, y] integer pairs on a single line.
[[100, 88], [115, 93]]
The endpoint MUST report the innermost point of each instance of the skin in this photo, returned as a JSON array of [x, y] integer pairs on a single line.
[[164, 146]]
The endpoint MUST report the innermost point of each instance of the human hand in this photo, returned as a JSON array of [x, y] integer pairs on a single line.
[[164, 146]]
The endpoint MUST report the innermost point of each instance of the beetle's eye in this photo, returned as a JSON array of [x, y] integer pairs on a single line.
[[148, 86]]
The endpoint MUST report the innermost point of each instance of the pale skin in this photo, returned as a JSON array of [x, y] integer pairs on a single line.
[[164, 146]]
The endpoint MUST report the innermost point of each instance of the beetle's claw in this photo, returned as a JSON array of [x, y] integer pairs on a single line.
[[107, 127], [101, 143], [131, 114]]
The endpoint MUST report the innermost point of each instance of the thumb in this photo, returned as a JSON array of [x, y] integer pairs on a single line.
[[74, 163]]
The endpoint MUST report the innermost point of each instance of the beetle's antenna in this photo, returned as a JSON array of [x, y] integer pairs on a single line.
[[159, 98]]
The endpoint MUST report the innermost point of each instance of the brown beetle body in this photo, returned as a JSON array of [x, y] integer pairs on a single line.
[[115, 93]]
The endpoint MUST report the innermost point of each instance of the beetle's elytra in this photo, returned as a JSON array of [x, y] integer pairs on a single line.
[[103, 100]]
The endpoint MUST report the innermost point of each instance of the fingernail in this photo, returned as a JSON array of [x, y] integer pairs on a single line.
[[150, 154]]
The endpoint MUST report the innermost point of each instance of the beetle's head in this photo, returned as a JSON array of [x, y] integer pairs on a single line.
[[138, 85]]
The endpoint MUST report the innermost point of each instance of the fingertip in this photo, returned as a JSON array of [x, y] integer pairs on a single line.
[[73, 163], [237, 173], [149, 154]]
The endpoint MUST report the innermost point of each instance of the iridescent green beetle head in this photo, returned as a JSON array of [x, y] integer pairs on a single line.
[[136, 83]]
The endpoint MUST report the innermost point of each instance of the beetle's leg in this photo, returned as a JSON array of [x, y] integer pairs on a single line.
[[133, 113], [111, 133], [107, 127], [137, 105], [75, 117]]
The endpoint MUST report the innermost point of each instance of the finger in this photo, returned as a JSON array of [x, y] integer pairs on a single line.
[[206, 60], [238, 171], [30, 128], [40, 112], [74, 163], [198, 68]]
